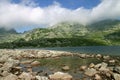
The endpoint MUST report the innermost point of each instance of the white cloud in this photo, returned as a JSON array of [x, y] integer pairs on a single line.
[[28, 13]]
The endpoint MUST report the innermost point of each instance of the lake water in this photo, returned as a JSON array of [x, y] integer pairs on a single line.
[[110, 50]]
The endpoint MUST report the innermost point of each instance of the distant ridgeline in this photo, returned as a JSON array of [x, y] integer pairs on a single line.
[[64, 34]]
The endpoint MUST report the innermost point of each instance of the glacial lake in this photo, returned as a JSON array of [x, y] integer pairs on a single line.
[[106, 50]]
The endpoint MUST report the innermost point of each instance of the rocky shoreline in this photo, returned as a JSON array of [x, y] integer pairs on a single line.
[[10, 69]]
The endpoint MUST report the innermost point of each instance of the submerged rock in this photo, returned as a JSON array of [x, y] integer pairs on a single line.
[[65, 68]]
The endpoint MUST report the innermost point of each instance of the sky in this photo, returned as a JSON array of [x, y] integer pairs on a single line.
[[25, 15]]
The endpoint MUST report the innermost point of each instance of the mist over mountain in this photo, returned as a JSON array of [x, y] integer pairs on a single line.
[[69, 34]]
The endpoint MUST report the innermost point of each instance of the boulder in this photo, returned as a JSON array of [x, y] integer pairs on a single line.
[[106, 57], [111, 61], [26, 76], [116, 76], [82, 68], [90, 72], [98, 56], [60, 76], [116, 69], [91, 65], [10, 77], [97, 77], [104, 67], [35, 63]]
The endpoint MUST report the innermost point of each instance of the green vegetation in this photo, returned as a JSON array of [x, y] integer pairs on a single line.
[[64, 34]]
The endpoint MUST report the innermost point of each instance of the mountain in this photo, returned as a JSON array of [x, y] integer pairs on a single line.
[[61, 30], [8, 35], [105, 32], [9, 31]]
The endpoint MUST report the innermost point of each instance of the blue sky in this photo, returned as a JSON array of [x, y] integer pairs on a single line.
[[71, 4]]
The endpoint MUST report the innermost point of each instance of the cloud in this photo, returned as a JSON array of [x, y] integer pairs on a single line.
[[28, 13]]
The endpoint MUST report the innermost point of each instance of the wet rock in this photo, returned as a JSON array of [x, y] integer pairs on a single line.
[[91, 65], [60, 76], [116, 69], [97, 77], [35, 63], [116, 76], [82, 68], [65, 68], [41, 78], [90, 72]]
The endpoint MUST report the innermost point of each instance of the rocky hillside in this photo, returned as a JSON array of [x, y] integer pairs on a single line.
[[71, 34]]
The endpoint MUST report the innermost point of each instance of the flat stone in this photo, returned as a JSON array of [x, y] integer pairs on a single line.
[[35, 63], [65, 68], [60, 76]]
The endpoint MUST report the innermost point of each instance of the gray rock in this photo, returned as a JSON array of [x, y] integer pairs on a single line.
[[98, 56], [26, 76], [116, 69], [90, 72], [104, 67], [65, 68], [91, 65], [97, 77], [35, 63], [10, 77], [60, 76], [41, 78], [82, 68], [116, 76], [4, 58], [106, 57]]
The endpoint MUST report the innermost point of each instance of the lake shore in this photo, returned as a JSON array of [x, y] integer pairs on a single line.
[[11, 69]]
